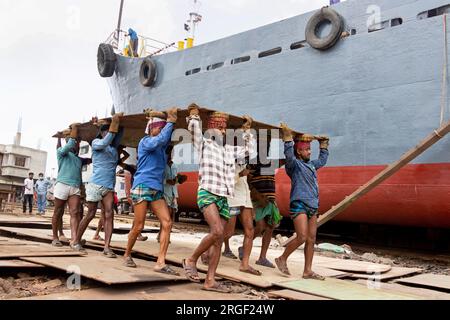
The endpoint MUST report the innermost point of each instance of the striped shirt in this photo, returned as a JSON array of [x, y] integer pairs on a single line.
[[217, 167], [264, 184]]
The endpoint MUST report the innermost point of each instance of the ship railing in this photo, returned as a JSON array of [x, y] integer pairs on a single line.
[[147, 46]]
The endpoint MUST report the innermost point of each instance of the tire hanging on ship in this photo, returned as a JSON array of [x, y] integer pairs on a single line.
[[147, 74], [324, 15], [106, 60]]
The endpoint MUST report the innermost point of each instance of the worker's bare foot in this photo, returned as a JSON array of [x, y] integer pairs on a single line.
[[313, 275], [282, 266], [250, 270], [216, 287]]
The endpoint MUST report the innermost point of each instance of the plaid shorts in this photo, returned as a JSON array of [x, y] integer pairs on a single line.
[[205, 199], [298, 207], [142, 193]]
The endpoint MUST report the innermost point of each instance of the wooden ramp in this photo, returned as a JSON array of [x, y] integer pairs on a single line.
[[19, 264], [395, 272], [293, 295], [13, 248], [428, 280], [110, 271], [228, 268], [354, 266], [344, 290]]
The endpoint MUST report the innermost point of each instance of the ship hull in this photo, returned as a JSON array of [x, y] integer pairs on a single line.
[[416, 196], [376, 94]]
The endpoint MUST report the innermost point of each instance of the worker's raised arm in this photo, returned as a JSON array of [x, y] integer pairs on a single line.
[[249, 148], [288, 144], [63, 151], [149, 144], [101, 144], [195, 128], [323, 155]]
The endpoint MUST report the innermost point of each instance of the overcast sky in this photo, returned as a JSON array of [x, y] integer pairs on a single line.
[[48, 48]]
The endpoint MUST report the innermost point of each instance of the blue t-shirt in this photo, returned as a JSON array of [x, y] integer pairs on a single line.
[[133, 35], [105, 159], [152, 159]]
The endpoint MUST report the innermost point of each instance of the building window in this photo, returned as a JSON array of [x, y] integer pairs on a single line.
[[20, 161], [84, 150]]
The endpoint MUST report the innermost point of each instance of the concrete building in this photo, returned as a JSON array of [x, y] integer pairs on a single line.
[[16, 162]]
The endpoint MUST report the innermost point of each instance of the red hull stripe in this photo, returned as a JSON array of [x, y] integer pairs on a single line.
[[417, 195]]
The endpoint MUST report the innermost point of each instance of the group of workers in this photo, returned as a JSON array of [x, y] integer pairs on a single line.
[[228, 188]]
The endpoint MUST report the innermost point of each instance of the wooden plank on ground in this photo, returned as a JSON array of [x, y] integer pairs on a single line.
[[428, 280], [428, 294], [18, 264], [228, 268], [344, 290], [110, 271], [355, 266], [293, 295], [20, 248], [395, 272]]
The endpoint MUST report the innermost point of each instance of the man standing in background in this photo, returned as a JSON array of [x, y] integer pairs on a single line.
[[28, 193], [41, 187]]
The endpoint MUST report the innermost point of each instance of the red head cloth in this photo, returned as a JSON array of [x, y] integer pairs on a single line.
[[302, 145], [218, 120]]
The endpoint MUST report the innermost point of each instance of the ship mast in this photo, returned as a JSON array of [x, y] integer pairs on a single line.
[[191, 25], [120, 21]]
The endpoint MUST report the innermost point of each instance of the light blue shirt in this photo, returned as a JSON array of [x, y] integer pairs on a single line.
[[104, 160], [152, 159], [171, 173], [42, 186], [69, 165]]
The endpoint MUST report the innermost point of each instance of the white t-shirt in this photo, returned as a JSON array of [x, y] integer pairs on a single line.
[[29, 186]]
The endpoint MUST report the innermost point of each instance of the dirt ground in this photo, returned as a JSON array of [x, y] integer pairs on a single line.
[[47, 283]]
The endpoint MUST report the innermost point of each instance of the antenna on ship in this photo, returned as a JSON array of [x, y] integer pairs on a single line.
[[117, 35], [191, 25]]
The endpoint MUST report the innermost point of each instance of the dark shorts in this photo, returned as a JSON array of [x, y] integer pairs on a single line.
[[298, 207]]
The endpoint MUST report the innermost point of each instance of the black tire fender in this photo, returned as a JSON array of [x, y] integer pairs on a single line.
[[106, 60], [325, 14], [147, 73]]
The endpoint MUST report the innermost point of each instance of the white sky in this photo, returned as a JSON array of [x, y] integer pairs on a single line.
[[48, 48]]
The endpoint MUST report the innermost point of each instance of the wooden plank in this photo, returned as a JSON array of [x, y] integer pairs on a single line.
[[355, 266], [386, 173], [228, 268], [428, 294], [135, 126], [344, 290], [20, 248], [428, 280], [18, 264], [395, 272], [294, 295], [110, 271]]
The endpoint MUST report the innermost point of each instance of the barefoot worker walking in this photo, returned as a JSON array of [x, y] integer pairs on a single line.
[[304, 201], [148, 186], [216, 183]]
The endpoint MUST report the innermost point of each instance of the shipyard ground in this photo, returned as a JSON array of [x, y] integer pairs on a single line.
[[46, 282]]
